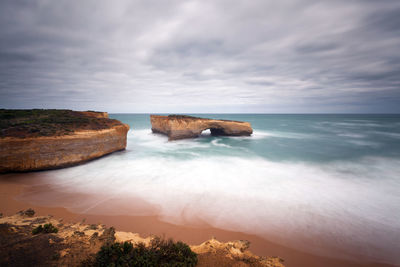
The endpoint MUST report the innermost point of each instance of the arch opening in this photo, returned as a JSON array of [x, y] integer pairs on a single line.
[[205, 132], [213, 132]]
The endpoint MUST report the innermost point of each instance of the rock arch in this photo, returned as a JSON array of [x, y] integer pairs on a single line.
[[181, 127]]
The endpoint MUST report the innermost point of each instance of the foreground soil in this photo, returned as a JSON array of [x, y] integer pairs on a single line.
[[74, 243]]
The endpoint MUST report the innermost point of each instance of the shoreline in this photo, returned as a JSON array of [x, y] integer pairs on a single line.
[[151, 225]]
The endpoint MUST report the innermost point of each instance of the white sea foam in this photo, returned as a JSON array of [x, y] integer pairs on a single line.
[[353, 124], [352, 135], [364, 143], [145, 138], [258, 134], [347, 204], [216, 142], [395, 135]]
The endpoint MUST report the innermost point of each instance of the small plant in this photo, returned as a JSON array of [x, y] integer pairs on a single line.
[[161, 252], [37, 230], [47, 228]]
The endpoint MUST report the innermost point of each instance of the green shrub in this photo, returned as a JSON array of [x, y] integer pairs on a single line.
[[37, 230], [47, 228], [161, 252]]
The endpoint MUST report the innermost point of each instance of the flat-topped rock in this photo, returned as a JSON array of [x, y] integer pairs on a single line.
[[181, 127], [48, 139]]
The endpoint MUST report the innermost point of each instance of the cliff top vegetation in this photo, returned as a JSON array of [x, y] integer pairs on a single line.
[[24, 123]]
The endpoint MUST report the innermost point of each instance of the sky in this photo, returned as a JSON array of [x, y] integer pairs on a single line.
[[259, 56]]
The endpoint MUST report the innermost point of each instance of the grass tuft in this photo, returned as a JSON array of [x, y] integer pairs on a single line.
[[47, 228]]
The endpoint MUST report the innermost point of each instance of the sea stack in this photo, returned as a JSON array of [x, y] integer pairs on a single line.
[[48, 139], [181, 126]]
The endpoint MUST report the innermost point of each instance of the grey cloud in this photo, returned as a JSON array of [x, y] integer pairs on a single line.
[[316, 48], [385, 21], [188, 56]]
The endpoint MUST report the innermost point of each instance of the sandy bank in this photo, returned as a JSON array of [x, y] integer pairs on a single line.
[[72, 243], [151, 225]]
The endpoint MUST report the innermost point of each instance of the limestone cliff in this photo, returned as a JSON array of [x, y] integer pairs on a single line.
[[30, 153], [181, 127]]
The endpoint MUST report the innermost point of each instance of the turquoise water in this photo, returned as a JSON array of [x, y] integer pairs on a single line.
[[305, 138], [298, 177]]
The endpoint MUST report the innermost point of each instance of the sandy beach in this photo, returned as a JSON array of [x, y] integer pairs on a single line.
[[13, 186]]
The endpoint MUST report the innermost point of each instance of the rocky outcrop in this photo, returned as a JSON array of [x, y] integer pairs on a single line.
[[233, 253], [71, 245], [75, 243], [181, 127], [49, 152]]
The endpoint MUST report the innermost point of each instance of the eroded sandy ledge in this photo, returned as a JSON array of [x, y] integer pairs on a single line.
[[75, 242]]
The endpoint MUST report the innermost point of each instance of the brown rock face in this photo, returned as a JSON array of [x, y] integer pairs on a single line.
[[181, 127], [50, 152], [233, 253]]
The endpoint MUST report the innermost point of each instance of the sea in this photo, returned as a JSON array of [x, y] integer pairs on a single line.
[[321, 183]]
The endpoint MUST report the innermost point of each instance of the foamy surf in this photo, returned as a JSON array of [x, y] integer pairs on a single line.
[[355, 204]]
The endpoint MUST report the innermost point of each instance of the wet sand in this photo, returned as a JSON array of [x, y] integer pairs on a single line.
[[10, 203]]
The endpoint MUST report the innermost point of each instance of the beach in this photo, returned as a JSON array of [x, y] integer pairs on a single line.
[[13, 185]]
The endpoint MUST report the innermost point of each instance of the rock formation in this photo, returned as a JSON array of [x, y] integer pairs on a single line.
[[232, 253], [181, 127], [56, 151], [75, 243]]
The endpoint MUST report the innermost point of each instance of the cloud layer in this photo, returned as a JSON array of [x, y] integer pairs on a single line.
[[201, 56]]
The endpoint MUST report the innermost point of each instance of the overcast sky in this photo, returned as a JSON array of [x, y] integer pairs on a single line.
[[201, 56]]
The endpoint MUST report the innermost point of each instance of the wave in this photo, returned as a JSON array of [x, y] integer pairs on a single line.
[[216, 142], [258, 134], [347, 204], [394, 135], [351, 135], [364, 143], [353, 124]]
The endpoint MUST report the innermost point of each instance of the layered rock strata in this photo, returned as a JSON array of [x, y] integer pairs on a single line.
[[49, 152], [181, 127]]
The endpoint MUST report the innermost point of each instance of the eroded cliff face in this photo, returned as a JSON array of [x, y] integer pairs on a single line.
[[40, 153], [181, 127], [95, 114]]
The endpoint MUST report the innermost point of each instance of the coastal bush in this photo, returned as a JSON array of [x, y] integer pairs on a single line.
[[47, 122], [160, 252], [47, 228]]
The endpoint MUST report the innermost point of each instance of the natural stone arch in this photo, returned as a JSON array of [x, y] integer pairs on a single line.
[[181, 127]]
